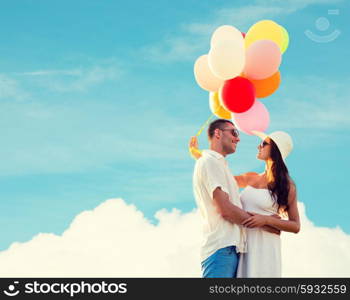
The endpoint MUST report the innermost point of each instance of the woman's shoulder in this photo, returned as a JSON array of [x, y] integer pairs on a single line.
[[245, 179], [251, 177], [250, 174]]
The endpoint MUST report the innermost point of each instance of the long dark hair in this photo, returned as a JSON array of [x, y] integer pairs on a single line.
[[279, 179]]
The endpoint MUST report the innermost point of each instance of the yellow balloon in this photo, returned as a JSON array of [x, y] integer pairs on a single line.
[[285, 42], [265, 30], [216, 108]]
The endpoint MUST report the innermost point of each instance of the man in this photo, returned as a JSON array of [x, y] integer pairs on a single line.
[[217, 197]]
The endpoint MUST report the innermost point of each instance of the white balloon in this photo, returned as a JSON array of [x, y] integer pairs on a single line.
[[204, 76], [227, 59], [226, 33]]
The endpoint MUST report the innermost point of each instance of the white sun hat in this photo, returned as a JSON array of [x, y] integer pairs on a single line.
[[282, 139]]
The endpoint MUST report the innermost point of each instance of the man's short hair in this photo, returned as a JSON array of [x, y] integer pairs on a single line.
[[219, 123]]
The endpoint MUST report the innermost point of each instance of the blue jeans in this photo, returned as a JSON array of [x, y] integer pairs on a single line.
[[221, 264]]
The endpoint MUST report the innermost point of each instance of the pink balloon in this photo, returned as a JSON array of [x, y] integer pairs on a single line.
[[263, 59], [256, 118]]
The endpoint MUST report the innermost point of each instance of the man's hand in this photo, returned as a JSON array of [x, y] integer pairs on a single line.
[[255, 220], [276, 216], [193, 147]]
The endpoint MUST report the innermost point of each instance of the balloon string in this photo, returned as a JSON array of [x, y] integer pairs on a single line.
[[192, 150], [204, 125]]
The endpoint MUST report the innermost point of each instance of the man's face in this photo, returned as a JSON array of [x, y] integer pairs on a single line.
[[229, 138]]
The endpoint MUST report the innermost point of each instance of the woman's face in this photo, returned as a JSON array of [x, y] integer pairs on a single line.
[[264, 150]]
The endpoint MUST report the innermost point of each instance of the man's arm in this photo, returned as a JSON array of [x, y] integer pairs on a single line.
[[233, 213], [226, 209]]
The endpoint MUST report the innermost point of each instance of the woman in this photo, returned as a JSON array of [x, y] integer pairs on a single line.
[[265, 195]]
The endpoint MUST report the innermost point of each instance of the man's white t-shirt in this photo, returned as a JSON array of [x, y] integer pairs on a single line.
[[212, 171]]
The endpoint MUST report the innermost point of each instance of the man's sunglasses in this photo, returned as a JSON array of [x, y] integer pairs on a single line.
[[234, 132]]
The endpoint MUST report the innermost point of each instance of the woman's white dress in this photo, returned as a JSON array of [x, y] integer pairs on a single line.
[[263, 257]]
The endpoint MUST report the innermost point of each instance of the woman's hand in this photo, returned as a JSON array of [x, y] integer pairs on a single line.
[[255, 220], [193, 147]]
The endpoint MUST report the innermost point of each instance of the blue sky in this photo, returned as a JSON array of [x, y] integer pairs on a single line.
[[98, 100]]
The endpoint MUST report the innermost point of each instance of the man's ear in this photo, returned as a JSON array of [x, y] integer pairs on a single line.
[[217, 133]]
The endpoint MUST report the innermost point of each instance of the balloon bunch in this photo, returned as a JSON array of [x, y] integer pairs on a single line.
[[240, 68]]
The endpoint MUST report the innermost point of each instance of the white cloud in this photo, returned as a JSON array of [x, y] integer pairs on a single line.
[[316, 251], [115, 240], [244, 16], [312, 102], [194, 37], [10, 89], [73, 80], [59, 138], [73, 72], [173, 49], [112, 240]]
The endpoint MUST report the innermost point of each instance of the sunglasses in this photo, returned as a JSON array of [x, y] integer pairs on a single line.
[[263, 144], [234, 132]]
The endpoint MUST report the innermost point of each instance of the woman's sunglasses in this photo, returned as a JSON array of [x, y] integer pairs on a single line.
[[263, 144]]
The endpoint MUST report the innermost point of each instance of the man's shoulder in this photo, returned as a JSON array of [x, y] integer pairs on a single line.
[[211, 156], [206, 160], [207, 164]]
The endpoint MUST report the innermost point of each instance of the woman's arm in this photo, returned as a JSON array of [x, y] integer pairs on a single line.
[[240, 181], [290, 225], [245, 179], [293, 222]]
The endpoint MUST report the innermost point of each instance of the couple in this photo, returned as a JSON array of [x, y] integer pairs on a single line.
[[242, 232]]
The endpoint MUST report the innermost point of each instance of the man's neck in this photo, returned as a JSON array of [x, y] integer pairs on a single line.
[[218, 149]]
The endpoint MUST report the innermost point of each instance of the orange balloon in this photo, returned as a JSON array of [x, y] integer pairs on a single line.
[[266, 87]]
